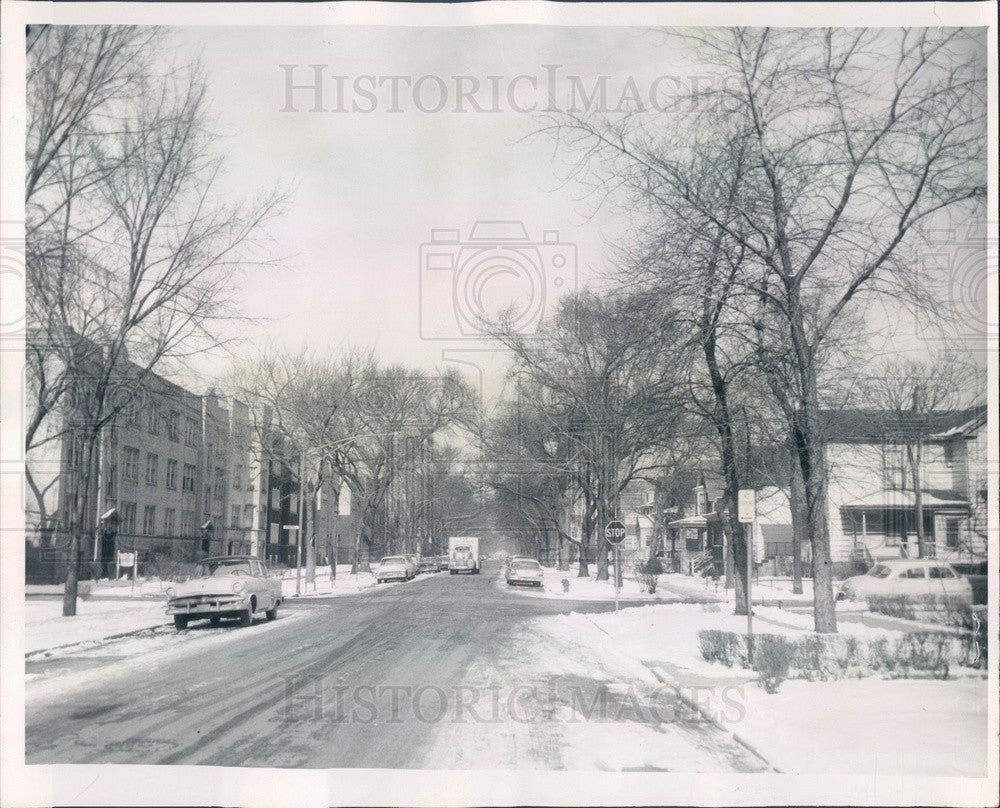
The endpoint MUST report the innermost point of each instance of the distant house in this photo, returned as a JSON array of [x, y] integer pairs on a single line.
[[872, 501], [695, 542]]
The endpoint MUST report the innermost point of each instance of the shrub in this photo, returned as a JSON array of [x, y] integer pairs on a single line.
[[772, 659], [726, 647], [836, 656], [900, 606]]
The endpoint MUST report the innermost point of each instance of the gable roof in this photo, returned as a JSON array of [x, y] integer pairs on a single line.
[[877, 425]]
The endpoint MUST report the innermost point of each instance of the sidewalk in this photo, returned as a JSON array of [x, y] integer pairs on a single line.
[[849, 726]]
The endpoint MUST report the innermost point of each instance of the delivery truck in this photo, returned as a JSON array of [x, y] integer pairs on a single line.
[[463, 555]]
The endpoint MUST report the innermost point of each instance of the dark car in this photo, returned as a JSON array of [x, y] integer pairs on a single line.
[[428, 564]]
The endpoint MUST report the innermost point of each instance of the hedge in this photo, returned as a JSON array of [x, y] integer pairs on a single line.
[[839, 656]]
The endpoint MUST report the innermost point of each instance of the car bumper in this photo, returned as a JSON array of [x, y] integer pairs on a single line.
[[522, 579], [208, 605], [397, 575]]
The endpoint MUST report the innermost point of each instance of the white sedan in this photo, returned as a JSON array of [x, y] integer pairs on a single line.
[[916, 578], [226, 586], [524, 571]]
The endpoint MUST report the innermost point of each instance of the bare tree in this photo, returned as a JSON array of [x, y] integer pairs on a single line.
[[604, 366], [854, 139], [128, 274], [390, 406], [296, 401]]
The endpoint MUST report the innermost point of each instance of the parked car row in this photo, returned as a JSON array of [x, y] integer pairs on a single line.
[[406, 567]]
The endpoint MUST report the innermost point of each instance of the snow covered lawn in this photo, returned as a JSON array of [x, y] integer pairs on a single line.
[[871, 725], [766, 590], [45, 627], [592, 589]]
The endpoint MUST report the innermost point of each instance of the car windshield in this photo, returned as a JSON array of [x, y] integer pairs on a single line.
[[880, 571], [394, 560], [525, 565], [209, 569], [463, 552]]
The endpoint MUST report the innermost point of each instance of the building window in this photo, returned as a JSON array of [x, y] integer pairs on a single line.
[[131, 467], [153, 421], [111, 486], [952, 532], [220, 482], [949, 454], [152, 468], [893, 468], [237, 475], [174, 425], [248, 516], [187, 483], [149, 520], [190, 432], [187, 523], [171, 481], [132, 413], [128, 517], [234, 516], [169, 518]]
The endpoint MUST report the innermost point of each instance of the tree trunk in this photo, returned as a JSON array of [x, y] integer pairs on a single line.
[[602, 543], [723, 422], [311, 544], [78, 530], [587, 528], [811, 463], [800, 534]]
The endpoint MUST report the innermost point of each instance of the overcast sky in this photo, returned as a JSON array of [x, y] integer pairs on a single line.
[[369, 187]]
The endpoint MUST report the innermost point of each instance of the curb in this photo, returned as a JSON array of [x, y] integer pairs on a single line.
[[97, 641], [662, 679]]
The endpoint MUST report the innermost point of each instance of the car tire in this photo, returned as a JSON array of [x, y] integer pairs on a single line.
[[215, 620], [245, 618], [272, 613], [452, 571], [180, 621]]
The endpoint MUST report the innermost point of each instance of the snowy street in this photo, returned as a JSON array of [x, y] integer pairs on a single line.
[[458, 673]]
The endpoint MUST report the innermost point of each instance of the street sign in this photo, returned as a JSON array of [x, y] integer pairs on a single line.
[[289, 527], [748, 505], [614, 532], [126, 559]]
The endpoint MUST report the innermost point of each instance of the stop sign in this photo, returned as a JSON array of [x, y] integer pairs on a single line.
[[614, 532]]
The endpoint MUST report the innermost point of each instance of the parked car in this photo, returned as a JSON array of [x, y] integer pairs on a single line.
[[524, 571], [225, 587], [414, 563], [428, 564], [914, 578], [442, 562], [393, 568]]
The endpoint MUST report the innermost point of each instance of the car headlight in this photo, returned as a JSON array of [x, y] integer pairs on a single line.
[[171, 592], [239, 586]]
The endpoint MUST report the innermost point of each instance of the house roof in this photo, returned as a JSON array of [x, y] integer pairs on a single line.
[[877, 425], [890, 498], [690, 521]]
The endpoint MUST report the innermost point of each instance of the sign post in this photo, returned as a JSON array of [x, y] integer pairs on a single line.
[[614, 534], [747, 516]]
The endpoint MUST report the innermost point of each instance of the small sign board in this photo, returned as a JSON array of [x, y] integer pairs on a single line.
[[747, 505], [126, 559], [289, 527], [615, 532]]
